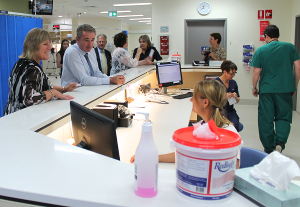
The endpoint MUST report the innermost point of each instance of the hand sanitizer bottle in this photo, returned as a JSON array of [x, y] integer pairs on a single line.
[[146, 163]]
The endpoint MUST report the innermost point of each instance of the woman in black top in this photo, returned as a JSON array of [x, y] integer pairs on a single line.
[[145, 44], [60, 54], [28, 84]]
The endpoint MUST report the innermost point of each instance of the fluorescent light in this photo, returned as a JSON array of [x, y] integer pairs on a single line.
[[132, 4], [145, 21], [59, 16], [139, 18], [148, 23], [136, 15], [105, 12]]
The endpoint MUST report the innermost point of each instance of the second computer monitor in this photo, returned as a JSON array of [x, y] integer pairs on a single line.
[[168, 74], [94, 131]]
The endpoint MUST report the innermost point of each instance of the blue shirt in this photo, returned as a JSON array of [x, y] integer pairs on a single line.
[[233, 87], [76, 68]]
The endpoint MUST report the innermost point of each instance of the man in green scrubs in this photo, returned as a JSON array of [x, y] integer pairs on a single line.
[[273, 63]]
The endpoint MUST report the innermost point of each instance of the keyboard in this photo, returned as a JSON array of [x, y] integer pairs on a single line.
[[181, 96]]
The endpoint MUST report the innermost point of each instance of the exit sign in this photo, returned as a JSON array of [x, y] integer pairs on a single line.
[[112, 13]]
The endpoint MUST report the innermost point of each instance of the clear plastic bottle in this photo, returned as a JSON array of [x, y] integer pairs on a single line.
[[146, 163]]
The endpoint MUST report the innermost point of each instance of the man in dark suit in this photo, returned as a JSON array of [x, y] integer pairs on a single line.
[[103, 56]]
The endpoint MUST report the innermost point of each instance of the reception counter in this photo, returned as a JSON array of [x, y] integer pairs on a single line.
[[34, 167]]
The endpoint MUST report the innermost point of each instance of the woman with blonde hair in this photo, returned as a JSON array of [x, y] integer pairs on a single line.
[[28, 84], [209, 98]]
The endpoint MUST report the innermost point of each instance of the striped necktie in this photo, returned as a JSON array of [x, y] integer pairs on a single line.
[[89, 63]]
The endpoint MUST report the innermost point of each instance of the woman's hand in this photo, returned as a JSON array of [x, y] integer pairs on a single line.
[[70, 87], [59, 95], [139, 51], [234, 95], [229, 95], [212, 55]]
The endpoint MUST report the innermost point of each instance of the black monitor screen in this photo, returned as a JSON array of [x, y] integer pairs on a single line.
[[168, 74], [43, 7], [97, 131]]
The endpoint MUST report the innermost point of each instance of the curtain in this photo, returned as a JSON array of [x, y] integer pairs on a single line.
[[13, 32]]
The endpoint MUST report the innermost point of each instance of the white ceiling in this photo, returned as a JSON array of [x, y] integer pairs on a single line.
[[92, 9]]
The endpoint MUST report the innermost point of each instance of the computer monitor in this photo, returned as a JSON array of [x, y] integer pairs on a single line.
[[94, 131], [168, 74]]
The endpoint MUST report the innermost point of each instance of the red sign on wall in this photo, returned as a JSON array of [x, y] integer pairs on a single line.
[[261, 14], [268, 14], [262, 26], [164, 45]]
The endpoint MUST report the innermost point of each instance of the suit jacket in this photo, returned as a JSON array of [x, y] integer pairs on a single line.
[[108, 58]]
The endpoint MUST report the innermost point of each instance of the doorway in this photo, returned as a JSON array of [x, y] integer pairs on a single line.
[[197, 34]]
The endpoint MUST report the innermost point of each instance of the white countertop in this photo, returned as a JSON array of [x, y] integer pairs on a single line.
[[38, 168]]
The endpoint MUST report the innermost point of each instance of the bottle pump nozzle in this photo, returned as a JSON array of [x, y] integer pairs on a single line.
[[146, 115], [147, 126]]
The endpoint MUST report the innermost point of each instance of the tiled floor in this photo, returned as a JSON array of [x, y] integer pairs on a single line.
[[250, 136]]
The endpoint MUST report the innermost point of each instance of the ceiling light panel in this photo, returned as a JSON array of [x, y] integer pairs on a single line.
[[133, 4], [105, 12]]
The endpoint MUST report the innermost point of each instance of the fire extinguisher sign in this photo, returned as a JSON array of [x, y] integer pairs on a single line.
[[262, 25]]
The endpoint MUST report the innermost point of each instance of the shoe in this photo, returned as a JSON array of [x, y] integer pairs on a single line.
[[278, 148]]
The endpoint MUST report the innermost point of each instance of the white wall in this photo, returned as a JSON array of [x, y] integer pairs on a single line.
[[242, 26]]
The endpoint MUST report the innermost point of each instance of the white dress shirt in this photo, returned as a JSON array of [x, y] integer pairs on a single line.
[[76, 68]]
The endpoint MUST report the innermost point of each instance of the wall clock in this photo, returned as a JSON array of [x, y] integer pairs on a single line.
[[204, 8]]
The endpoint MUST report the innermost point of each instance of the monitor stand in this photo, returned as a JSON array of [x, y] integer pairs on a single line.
[[165, 90]]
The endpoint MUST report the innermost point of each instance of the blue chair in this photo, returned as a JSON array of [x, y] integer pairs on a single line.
[[241, 127], [251, 157]]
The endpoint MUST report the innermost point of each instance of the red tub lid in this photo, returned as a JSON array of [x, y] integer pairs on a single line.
[[226, 139]]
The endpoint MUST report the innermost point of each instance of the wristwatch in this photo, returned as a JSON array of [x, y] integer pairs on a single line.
[[254, 88]]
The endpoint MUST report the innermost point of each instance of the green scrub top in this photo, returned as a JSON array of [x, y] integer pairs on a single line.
[[276, 60]]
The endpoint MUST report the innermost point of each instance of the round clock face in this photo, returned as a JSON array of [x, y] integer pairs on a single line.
[[204, 8]]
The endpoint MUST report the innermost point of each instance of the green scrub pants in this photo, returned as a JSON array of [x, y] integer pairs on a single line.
[[278, 108]]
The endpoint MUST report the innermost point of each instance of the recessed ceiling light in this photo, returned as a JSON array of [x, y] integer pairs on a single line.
[[139, 18], [59, 16], [132, 4], [145, 21], [135, 15], [105, 12]]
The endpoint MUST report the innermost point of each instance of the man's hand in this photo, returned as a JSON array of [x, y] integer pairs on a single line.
[[255, 92], [70, 87], [118, 79]]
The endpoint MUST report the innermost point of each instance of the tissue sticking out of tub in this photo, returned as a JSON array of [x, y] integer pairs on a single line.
[[207, 130]]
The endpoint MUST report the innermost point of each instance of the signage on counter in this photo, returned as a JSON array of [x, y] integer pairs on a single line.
[[262, 26], [164, 45], [268, 14], [261, 14]]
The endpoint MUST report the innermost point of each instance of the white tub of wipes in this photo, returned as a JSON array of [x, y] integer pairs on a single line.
[[205, 168]]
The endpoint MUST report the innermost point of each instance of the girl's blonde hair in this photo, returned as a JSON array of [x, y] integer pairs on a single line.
[[32, 42], [215, 92]]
